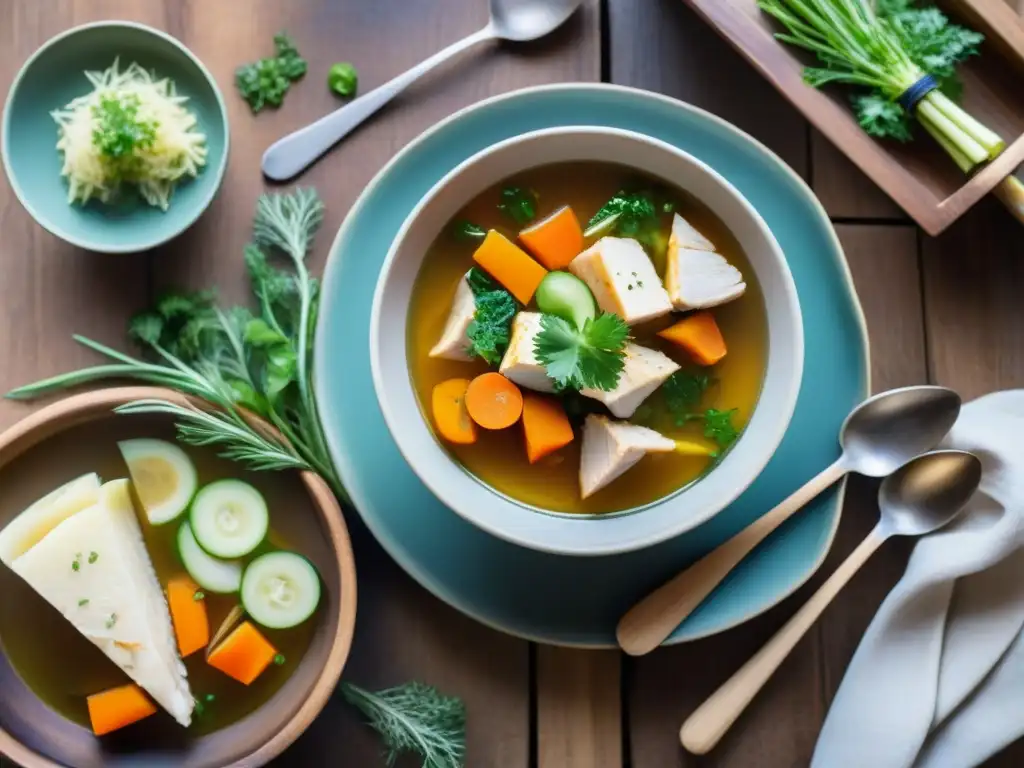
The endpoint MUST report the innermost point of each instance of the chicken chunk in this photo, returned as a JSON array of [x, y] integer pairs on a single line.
[[622, 279], [610, 448], [520, 364], [643, 372], [454, 343], [695, 275]]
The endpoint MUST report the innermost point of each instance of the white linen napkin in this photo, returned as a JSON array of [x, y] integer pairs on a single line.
[[938, 679]]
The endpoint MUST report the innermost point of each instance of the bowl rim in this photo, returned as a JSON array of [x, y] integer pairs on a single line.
[[83, 407], [89, 245], [786, 402]]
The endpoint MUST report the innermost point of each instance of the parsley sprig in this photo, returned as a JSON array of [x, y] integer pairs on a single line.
[[591, 357], [235, 359], [265, 82]]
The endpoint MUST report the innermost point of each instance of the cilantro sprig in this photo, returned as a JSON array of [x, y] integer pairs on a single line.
[[591, 357], [490, 330], [265, 82]]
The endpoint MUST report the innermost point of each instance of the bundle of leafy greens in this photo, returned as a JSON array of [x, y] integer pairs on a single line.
[[239, 360], [882, 48], [265, 82]]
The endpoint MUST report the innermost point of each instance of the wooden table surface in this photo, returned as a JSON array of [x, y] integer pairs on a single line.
[[945, 310]]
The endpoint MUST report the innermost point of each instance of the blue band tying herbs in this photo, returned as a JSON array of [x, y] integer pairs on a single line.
[[910, 97]]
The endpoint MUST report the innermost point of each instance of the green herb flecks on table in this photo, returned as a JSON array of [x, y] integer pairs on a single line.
[[343, 79], [265, 82], [235, 359], [587, 358], [491, 327], [415, 718], [883, 48]]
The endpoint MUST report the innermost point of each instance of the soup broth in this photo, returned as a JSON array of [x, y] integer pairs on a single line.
[[498, 458], [62, 667]]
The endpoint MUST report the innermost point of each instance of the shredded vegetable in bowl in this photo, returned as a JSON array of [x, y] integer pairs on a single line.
[[131, 129]]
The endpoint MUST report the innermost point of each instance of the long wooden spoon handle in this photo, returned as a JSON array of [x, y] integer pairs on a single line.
[[645, 626], [706, 726]]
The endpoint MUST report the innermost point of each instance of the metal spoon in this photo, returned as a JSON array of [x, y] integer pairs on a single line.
[[921, 497], [880, 435], [515, 20]]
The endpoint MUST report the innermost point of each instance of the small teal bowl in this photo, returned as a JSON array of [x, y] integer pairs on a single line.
[[53, 76]]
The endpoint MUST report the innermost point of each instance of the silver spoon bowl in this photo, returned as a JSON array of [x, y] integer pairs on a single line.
[[922, 496], [513, 20]]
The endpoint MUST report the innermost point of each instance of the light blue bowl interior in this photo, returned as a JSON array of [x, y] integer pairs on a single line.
[[573, 600], [52, 78]]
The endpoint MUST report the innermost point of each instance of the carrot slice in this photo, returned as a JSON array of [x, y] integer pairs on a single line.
[[118, 707], [493, 401], [244, 654], [188, 612], [510, 265], [545, 425], [556, 240], [699, 335], [450, 415]]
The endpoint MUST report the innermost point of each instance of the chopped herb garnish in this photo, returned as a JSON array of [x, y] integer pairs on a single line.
[[343, 79], [119, 131], [93, 557], [491, 328], [468, 231], [209, 697], [683, 391], [625, 214], [199, 595], [266, 81], [75, 565], [587, 358], [112, 620], [719, 427], [279, 659], [199, 709], [83, 602], [518, 204]]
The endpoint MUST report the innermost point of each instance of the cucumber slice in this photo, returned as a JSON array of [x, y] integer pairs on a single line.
[[213, 575], [280, 590], [229, 518], [564, 295], [163, 475]]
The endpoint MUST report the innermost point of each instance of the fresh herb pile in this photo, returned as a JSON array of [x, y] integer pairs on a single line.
[[881, 49], [264, 83], [120, 131]]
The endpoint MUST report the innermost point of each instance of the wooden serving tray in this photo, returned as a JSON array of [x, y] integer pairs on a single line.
[[919, 176]]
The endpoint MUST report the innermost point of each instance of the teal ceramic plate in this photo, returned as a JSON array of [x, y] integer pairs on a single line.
[[52, 77], [577, 601]]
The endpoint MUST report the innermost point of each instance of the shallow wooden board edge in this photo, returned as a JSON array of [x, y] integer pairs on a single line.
[[782, 69], [88, 406]]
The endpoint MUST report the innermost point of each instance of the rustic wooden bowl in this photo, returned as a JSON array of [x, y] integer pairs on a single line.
[[918, 176], [77, 435]]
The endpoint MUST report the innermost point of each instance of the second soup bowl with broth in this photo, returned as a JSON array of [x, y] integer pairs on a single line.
[[688, 265]]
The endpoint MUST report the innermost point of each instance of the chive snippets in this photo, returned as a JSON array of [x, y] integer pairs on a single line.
[[83, 602]]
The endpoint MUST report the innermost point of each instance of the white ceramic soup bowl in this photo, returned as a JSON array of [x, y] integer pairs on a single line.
[[556, 532]]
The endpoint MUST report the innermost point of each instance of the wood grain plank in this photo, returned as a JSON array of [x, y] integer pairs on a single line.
[[403, 633], [579, 718], [48, 289], [884, 263], [663, 46], [844, 189]]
